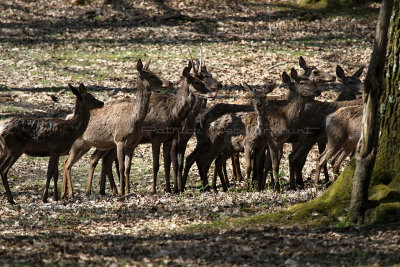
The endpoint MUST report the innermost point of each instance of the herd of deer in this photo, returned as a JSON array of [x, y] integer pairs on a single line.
[[223, 130]]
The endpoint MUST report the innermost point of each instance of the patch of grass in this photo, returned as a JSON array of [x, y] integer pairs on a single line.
[[12, 110]]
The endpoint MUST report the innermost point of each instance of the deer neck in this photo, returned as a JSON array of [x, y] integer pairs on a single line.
[[294, 110], [141, 108], [81, 117], [261, 122], [182, 105]]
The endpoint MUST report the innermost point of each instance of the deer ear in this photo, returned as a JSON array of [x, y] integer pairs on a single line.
[[293, 74], [82, 89], [146, 66], [302, 63], [186, 70], [139, 65], [359, 72], [340, 72], [247, 87], [190, 65], [75, 91], [285, 78], [270, 87]]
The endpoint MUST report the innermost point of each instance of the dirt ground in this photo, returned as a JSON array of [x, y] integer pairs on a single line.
[[46, 44]]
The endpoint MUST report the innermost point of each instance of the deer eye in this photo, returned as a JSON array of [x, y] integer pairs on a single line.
[[301, 83], [315, 72]]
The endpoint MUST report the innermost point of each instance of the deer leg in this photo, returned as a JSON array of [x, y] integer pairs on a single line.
[[226, 178], [8, 161], [258, 159], [190, 160], [214, 180], [204, 162], [156, 163], [219, 161], [52, 169], [292, 176], [337, 161], [267, 168], [106, 170], [128, 162], [74, 155], [180, 155], [321, 148], [94, 160], [169, 153], [323, 159], [248, 158], [236, 159], [124, 185], [297, 160], [274, 154]]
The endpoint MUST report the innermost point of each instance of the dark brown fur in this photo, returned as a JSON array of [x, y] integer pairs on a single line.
[[42, 137]]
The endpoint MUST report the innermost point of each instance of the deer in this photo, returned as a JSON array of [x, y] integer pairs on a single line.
[[281, 119], [175, 149], [311, 72], [162, 123], [257, 128], [44, 137], [343, 130], [167, 86], [115, 126], [178, 146], [312, 126]]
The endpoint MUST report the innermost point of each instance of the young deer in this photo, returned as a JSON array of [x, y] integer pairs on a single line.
[[312, 125], [256, 137], [117, 126], [343, 130], [309, 72], [350, 86], [163, 121], [44, 137]]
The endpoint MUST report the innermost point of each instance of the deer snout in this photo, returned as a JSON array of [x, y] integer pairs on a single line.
[[168, 85], [219, 85], [318, 92]]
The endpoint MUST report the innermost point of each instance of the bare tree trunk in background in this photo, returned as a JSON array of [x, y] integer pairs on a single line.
[[373, 87]]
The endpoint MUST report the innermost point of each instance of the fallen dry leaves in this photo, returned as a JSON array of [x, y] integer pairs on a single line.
[[46, 44]]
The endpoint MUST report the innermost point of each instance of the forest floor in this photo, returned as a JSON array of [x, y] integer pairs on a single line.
[[46, 44]]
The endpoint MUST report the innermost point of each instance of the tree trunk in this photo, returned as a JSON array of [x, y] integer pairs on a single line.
[[373, 87]]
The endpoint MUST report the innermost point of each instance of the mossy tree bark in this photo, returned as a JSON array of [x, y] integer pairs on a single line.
[[373, 87]]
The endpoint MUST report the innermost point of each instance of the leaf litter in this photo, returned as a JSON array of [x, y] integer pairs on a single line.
[[46, 44]]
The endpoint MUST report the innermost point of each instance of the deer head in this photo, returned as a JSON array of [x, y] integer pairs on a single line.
[[352, 82], [201, 72], [197, 86], [146, 77], [87, 99], [315, 74], [300, 85]]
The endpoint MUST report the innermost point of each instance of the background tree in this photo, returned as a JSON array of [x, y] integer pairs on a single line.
[[373, 87]]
